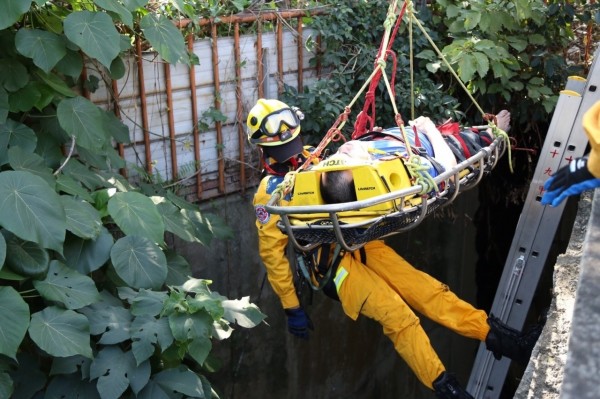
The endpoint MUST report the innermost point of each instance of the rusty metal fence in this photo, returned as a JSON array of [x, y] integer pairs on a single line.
[[187, 123]]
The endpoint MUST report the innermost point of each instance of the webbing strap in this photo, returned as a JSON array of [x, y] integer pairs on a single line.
[[319, 281]]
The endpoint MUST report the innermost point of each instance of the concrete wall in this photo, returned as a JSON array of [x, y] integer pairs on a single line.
[[343, 358]]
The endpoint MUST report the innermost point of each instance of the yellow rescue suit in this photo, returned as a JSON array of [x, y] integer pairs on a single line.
[[591, 125], [384, 289]]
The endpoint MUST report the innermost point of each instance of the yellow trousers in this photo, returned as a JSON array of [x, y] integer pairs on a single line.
[[387, 287]]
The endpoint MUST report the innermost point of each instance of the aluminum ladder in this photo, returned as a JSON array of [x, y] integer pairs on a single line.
[[536, 228]]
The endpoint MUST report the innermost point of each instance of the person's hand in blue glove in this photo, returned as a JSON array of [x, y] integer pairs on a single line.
[[571, 179], [298, 322]]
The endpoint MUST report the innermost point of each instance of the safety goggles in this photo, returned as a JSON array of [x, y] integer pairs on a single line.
[[273, 123]]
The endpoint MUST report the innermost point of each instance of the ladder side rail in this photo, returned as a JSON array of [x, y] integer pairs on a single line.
[[488, 374]]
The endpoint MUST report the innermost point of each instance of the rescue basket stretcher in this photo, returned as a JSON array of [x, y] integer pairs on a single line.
[[389, 206]]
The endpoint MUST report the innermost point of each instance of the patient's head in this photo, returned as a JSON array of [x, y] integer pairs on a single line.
[[337, 186]]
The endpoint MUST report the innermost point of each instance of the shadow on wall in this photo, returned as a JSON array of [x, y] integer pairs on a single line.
[[343, 358]]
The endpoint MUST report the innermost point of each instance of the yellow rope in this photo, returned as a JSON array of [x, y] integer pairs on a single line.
[[439, 53], [497, 132], [412, 76]]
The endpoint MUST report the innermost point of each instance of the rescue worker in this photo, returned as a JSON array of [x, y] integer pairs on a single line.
[[375, 281], [581, 174]]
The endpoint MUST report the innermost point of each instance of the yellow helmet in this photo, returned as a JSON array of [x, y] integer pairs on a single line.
[[273, 123]]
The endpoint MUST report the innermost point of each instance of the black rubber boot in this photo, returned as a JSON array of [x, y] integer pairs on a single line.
[[503, 340], [447, 387]]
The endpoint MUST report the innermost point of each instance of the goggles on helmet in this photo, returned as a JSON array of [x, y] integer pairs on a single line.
[[272, 124]]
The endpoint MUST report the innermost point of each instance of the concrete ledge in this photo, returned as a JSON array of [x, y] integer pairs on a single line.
[[583, 359]]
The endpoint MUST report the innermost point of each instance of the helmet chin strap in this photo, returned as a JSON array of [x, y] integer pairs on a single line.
[[280, 168]]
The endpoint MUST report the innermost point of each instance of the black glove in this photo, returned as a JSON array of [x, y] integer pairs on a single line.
[[571, 179], [298, 322]]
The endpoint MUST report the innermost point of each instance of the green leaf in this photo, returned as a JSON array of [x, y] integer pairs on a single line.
[[146, 332], [69, 185], [135, 213], [61, 332], [191, 326], [2, 251], [111, 367], [26, 258], [467, 66], [180, 379], [179, 268], [3, 105], [243, 312], [111, 321], [472, 19], [25, 98], [31, 209], [67, 286], [70, 365], [133, 5], [146, 302], [83, 219], [175, 221], [83, 119], [71, 387], [15, 320], [13, 75], [6, 385], [87, 256], [117, 8], [30, 162], [45, 48], [165, 38], [482, 63], [71, 64], [95, 33], [139, 262], [15, 134], [28, 378], [12, 11], [55, 83], [199, 349]]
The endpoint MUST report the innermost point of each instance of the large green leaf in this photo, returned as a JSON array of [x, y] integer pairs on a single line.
[[3, 105], [144, 302], [139, 262], [243, 312], [12, 11], [43, 47], [15, 134], [31, 209], [111, 321], [83, 219], [6, 386], [28, 378], [69, 185], [13, 74], [165, 38], [26, 258], [87, 256], [146, 331], [82, 119], [61, 332], [175, 221], [95, 33], [136, 214], [179, 268], [191, 326], [2, 250], [113, 368], [30, 162], [71, 386], [67, 286], [117, 8], [180, 379], [15, 320], [71, 364]]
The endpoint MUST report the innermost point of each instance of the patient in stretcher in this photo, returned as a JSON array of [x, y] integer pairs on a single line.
[[435, 151]]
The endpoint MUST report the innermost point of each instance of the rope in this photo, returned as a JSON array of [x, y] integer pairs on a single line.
[[439, 53]]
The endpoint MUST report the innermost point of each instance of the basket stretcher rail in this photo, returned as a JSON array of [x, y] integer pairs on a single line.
[[331, 222]]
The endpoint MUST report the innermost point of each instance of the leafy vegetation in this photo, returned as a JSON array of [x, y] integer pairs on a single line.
[[94, 303]]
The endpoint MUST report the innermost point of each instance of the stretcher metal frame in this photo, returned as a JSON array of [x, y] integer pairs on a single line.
[[353, 235]]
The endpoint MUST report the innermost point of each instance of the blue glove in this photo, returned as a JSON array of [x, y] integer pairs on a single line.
[[571, 179], [298, 322]]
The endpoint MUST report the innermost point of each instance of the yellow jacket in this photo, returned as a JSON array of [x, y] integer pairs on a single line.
[[591, 125], [272, 243]]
